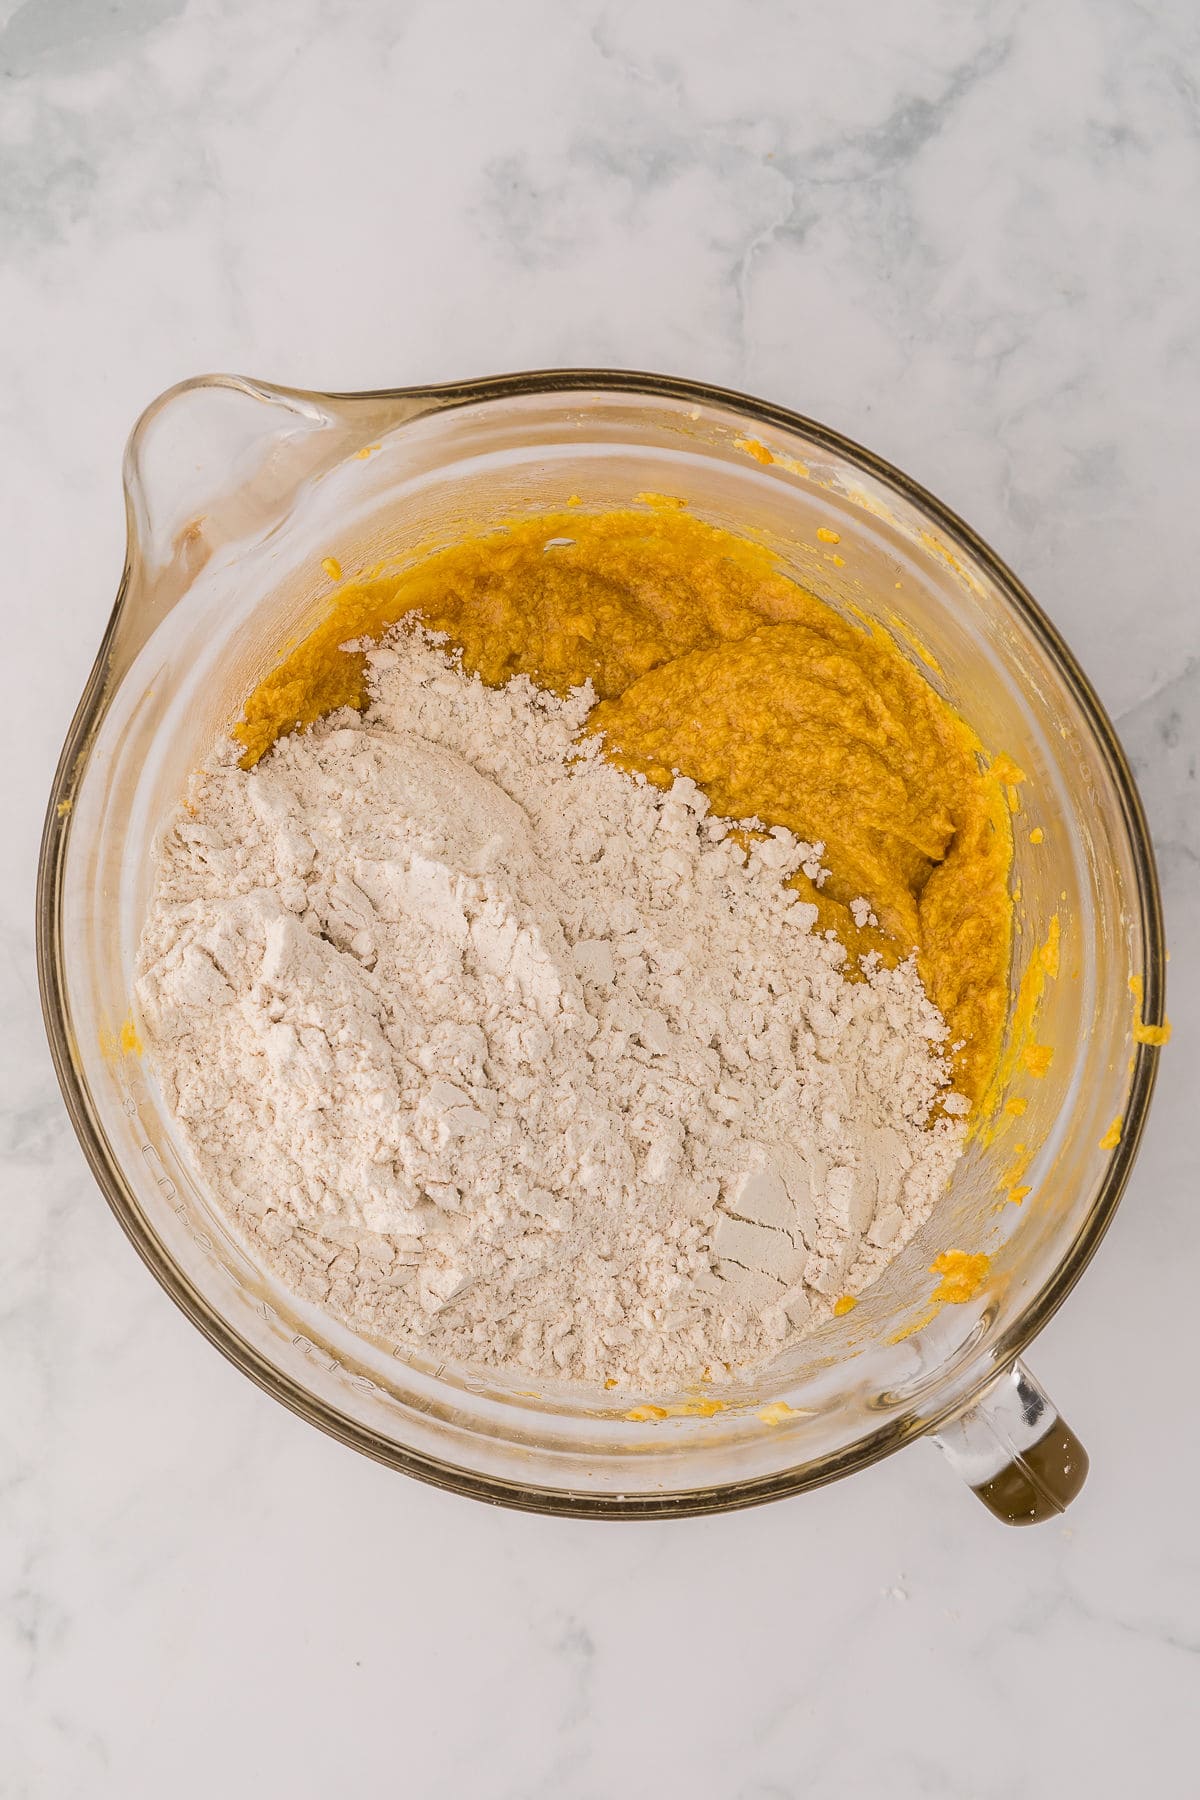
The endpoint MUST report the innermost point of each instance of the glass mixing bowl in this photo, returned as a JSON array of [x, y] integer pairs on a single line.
[[236, 493]]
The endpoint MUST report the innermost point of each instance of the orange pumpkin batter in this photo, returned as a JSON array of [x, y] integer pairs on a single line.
[[706, 659]]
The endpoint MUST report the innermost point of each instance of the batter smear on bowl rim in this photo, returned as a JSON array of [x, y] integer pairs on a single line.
[[598, 984]]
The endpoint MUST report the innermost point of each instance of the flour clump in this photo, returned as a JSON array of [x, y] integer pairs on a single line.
[[514, 1060]]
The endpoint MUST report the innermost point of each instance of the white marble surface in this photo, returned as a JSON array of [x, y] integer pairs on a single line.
[[965, 232]]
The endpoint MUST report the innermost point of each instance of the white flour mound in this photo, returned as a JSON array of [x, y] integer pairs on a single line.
[[503, 1055]]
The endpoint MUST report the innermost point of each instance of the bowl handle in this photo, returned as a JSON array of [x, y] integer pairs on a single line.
[[1014, 1451], [220, 454]]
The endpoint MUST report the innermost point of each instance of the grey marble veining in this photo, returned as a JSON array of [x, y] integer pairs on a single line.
[[964, 233]]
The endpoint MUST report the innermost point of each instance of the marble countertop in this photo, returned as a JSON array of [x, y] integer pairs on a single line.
[[964, 234]]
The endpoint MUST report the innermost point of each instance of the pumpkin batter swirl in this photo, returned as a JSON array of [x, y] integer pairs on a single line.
[[707, 659]]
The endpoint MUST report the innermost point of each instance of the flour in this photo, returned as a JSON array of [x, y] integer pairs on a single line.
[[514, 1060]]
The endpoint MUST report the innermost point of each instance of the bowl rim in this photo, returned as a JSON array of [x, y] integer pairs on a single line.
[[721, 1497]]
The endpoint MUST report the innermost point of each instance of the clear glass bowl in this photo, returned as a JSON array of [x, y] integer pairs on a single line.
[[236, 492]]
